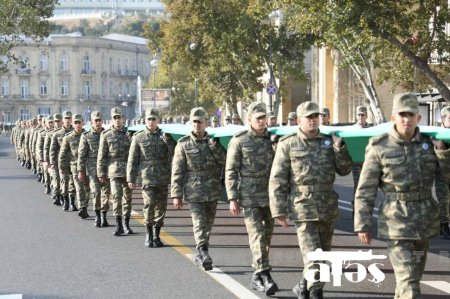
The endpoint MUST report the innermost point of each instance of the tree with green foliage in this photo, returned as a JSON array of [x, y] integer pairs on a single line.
[[225, 46], [21, 19], [401, 37]]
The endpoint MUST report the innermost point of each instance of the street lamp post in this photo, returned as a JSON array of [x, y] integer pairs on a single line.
[[273, 16], [154, 64], [195, 91]]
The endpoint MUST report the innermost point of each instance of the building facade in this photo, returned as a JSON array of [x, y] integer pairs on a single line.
[[107, 7], [73, 72]]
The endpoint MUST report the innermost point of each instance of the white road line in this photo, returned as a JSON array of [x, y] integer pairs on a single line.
[[12, 296], [443, 286], [227, 281]]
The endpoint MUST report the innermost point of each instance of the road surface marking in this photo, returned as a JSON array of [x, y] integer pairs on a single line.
[[443, 286], [12, 296]]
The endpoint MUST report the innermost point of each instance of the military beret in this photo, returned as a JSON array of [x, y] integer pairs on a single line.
[[77, 117], [405, 102], [67, 114], [257, 109], [198, 113], [292, 115], [49, 118], [151, 113], [96, 115], [57, 116], [361, 109], [116, 111], [307, 108], [325, 111]]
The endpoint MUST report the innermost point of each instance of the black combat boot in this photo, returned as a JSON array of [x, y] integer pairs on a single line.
[[203, 259], [270, 287], [83, 213], [157, 240], [104, 221], [126, 222], [97, 221], [56, 200], [301, 289], [73, 207], [23, 163], [316, 294], [47, 189], [119, 227], [65, 203], [28, 165], [39, 177], [34, 170], [149, 237], [257, 283]]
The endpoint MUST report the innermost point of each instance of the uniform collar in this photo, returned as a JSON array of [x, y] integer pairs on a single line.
[[302, 135], [396, 136], [252, 133]]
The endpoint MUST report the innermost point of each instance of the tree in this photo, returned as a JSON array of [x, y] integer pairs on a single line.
[[404, 36], [225, 46], [20, 19]]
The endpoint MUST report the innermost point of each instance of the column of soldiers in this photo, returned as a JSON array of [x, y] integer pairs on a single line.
[[292, 179]]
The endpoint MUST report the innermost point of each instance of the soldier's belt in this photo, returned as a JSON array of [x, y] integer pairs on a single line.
[[153, 162], [202, 173], [409, 196], [313, 188], [117, 159]]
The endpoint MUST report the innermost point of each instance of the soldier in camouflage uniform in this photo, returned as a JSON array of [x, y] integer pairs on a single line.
[[27, 143], [196, 171], [112, 164], [325, 117], [292, 119], [87, 166], [301, 187], [21, 142], [67, 187], [68, 158], [49, 124], [247, 171], [361, 123], [54, 174], [151, 153], [403, 164], [37, 169]]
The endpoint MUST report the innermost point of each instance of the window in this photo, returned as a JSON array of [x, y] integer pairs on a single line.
[[7, 117], [5, 88], [87, 89], [86, 63], [64, 87], [24, 89], [43, 62], [43, 88], [44, 111], [24, 114], [64, 63]]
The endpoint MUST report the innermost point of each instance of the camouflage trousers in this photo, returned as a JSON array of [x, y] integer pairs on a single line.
[[356, 173], [155, 204], [82, 190], [259, 224], [99, 194], [67, 186], [56, 181], [121, 196], [203, 215], [311, 236], [408, 258], [46, 174]]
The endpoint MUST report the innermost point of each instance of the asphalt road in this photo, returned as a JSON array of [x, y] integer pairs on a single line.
[[48, 253]]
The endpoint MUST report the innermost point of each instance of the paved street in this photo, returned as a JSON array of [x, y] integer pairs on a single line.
[[48, 253]]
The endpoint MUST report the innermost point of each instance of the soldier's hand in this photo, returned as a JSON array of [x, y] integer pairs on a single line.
[[438, 144], [81, 176], [337, 141], [166, 136], [131, 185], [102, 179], [177, 202], [365, 237], [282, 221], [212, 141], [234, 207]]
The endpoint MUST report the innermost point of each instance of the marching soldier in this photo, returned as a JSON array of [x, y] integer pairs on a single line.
[[112, 165], [151, 153], [403, 164], [54, 174], [292, 119], [196, 172], [49, 124], [325, 117], [247, 172], [68, 158], [87, 166], [301, 187]]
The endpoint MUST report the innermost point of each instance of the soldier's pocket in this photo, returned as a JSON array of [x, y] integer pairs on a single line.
[[299, 161]]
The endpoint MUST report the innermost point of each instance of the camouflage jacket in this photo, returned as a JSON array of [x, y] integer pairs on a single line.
[[405, 172], [247, 171], [47, 143], [68, 154], [151, 153], [88, 152], [302, 177], [55, 145], [113, 153], [196, 169], [40, 144]]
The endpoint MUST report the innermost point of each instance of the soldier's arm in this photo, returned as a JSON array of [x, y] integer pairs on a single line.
[[342, 160], [40, 147], [168, 140], [63, 154], [279, 181], [442, 195], [83, 151], [53, 154], [220, 154], [443, 156], [178, 172], [47, 141], [133, 160], [233, 163], [102, 157], [366, 192]]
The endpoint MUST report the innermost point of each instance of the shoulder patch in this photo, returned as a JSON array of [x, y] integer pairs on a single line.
[[378, 139], [107, 130], [86, 132], [184, 139], [138, 132], [240, 133], [287, 136]]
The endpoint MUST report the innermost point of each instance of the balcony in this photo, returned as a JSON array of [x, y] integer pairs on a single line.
[[23, 72], [87, 72], [22, 97], [88, 98], [127, 73]]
